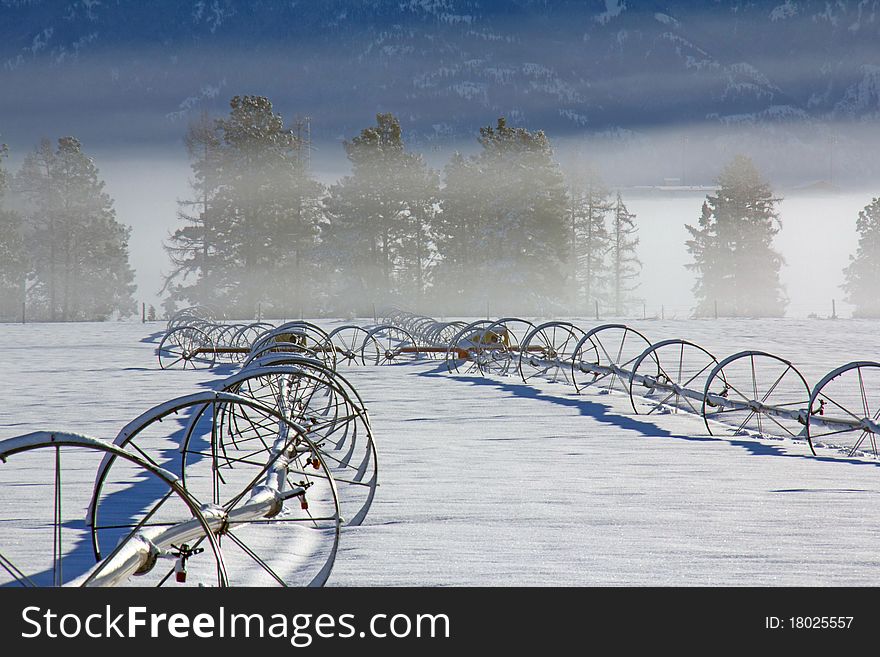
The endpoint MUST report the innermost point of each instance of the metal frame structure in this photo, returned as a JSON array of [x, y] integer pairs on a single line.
[[747, 392], [285, 428]]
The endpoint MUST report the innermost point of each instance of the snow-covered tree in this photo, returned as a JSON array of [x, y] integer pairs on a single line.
[[505, 231], [862, 275], [624, 265], [732, 247], [78, 250]]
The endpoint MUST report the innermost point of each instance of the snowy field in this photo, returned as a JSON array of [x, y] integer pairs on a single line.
[[487, 481]]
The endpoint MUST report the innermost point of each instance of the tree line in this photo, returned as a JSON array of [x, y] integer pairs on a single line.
[[504, 230], [501, 228]]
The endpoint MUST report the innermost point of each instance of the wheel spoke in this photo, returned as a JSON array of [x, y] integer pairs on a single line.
[[253, 555], [19, 575], [864, 394]]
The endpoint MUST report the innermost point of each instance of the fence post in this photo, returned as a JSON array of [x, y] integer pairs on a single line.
[[22, 313], [597, 310], [834, 309], [662, 312], [143, 312], [716, 309]]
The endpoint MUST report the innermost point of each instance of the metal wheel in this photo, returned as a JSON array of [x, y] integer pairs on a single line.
[[190, 316], [548, 352], [605, 356], [271, 347], [305, 336], [214, 331], [845, 408], [464, 347], [266, 481], [422, 327], [447, 331], [250, 333], [186, 346], [335, 419], [755, 392], [225, 338], [389, 345], [44, 542], [500, 354], [670, 376], [347, 341], [316, 367]]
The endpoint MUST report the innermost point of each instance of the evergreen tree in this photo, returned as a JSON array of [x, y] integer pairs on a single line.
[[458, 225], [862, 275], [78, 250], [379, 234], [267, 203], [507, 209], [34, 182], [591, 242], [624, 264], [13, 259], [417, 252], [195, 248], [736, 264], [252, 225]]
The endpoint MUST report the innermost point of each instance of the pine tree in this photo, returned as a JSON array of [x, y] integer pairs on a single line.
[[35, 184], [78, 250], [417, 252], [195, 248], [458, 225], [269, 202], [507, 208], [379, 236], [736, 264], [251, 228], [862, 275], [591, 242], [294, 241], [624, 264], [13, 259]]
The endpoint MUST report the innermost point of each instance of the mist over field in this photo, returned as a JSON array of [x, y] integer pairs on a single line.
[[817, 238], [656, 101]]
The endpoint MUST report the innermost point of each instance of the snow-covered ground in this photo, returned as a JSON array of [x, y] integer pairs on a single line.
[[493, 482]]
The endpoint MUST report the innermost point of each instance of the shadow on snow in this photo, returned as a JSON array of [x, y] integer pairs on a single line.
[[603, 413]]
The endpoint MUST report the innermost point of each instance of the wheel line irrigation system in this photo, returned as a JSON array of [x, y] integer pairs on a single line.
[[226, 474]]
